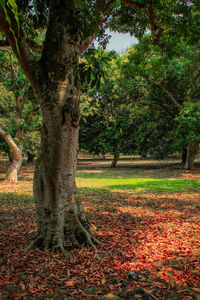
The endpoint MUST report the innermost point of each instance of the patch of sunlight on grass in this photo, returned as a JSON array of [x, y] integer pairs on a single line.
[[103, 181], [20, 193], [20, 188]]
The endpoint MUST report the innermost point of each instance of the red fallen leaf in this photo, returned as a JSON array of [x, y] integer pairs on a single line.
[[110, 296], [69, 283], [196, 290], [90, 296], [4, 282], [15, 297], [22, 286]]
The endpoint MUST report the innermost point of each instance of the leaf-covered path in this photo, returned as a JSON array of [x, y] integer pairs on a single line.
[[150, 227]]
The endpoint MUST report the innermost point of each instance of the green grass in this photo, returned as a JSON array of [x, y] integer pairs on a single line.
[[113, 182], [12, 199], [101, 183]]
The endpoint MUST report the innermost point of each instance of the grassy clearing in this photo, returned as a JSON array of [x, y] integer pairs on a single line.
[[126, 181], [104, 181]]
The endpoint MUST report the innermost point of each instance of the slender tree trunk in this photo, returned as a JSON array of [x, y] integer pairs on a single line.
[[191, 152], [184, 156], [10, 157], [115, 159], [16, 154], [30, 157]]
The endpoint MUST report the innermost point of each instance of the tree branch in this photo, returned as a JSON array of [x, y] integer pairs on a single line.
[[9, 140], [31, 113], [11, 61], [19, 108], [35, 47], [156, 30], [169, 94], [21, 49], [101, 8]]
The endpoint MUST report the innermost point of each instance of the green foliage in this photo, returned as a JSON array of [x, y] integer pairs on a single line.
[[91, 67], [11, 5], [188, 124], [105, 125], [126, 181], [19, 108], [31, 143]]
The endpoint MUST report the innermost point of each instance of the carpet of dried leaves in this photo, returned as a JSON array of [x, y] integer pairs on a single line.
[[151, 248]]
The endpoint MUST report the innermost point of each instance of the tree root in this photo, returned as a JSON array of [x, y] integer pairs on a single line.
[[52, 242], [90, 239], [77, 234]]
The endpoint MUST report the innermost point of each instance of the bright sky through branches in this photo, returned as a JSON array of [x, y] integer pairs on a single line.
[[120, 42]]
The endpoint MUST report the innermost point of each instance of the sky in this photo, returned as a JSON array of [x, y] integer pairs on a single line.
[[120, 42]]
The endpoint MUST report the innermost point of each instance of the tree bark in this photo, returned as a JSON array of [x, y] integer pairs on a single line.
[[60, 216], [115, 159], [30, 157], [192, 150], [184, 156], [16, 154]]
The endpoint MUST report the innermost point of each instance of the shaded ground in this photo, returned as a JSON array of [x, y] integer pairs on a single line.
[[90, 162], [148, 219]]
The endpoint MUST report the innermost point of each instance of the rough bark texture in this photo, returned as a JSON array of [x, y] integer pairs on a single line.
[[192, 150], [60, 215], [16, 157]]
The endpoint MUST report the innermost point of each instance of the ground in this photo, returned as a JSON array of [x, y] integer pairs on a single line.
[[146, 214]]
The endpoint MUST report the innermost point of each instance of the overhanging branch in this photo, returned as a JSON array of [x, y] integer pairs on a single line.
[[155, 28], [15, 37], [161, 84], [33, 45]]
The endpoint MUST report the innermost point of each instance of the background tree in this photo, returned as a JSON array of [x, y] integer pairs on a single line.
[[169, 83], [18, 106], [105, 124], [189, 131]]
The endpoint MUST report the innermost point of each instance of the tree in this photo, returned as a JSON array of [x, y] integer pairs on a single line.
[[31, 145], [19, 109], [72, 26], [106, 118], [169, 82], [189, 131], [17, 156]]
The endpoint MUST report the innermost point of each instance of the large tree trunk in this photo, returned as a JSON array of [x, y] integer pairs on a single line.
[[16, 157], [192, 150], [60, 215]]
